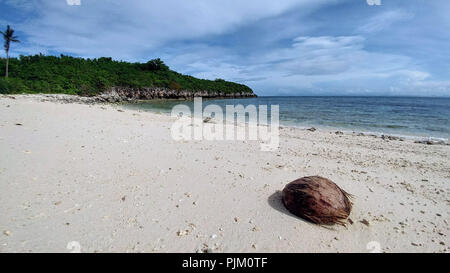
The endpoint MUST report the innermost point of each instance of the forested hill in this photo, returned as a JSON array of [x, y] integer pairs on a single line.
[[87, 77]]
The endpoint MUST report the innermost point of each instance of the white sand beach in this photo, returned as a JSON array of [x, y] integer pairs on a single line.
[[115, 181]]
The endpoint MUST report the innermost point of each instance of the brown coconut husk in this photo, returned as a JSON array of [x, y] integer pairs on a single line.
[[318, 200]]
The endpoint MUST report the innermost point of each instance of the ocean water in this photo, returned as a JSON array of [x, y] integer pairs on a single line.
[[400, 116]]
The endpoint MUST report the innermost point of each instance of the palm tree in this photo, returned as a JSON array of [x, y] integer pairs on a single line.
[[9, 37]]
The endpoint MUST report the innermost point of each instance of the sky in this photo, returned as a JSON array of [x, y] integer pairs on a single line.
[[283, 47]]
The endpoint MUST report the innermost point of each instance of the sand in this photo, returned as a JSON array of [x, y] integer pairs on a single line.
[[90, 178]]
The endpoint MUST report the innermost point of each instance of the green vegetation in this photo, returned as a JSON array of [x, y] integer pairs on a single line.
[[70, 75]]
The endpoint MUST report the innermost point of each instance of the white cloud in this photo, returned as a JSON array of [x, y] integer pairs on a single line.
[[125, 29], [318, 65], [384, 20]]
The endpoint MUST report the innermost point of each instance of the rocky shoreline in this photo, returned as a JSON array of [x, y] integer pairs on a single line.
[[150, 93], [124, 94]]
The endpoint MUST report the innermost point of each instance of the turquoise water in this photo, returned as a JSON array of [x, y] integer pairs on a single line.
[[403, 116]]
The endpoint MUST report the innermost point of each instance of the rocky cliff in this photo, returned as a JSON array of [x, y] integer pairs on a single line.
[[117, 94], [121, 94]]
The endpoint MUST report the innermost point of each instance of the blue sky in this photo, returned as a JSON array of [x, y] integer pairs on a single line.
[[283, 47]]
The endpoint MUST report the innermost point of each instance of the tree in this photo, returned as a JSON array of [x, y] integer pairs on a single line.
[[9, 37], [156, 64]]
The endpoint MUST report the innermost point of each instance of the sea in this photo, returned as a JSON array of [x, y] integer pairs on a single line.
[[412, 117]]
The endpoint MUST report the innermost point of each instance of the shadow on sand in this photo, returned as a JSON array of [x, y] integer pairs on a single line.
[[275, 202]]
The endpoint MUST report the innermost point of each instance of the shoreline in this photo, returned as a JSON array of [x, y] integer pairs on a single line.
[[430, 140], [64, 98]]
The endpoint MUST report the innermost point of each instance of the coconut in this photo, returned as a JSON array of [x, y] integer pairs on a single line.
[[318, 200]]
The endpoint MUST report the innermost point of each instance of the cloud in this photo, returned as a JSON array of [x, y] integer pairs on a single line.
[[27, 5], [132, 28], [384, 20], [312, 64], [321, 55]]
